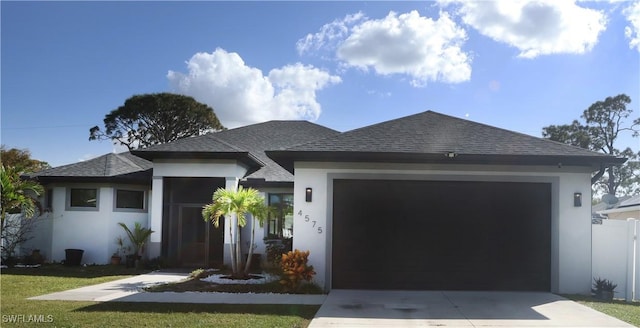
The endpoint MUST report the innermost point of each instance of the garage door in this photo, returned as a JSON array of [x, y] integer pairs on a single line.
[[441, 235]]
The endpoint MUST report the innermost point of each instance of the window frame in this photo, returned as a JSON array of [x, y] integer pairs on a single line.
[[69, 207], [48, 200], [280, 220], [125, 209]]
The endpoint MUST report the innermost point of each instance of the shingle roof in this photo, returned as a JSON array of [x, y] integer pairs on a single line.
[[258, 138], [601, 206], [123, 166], [631, 201], [249, 141], [427, 136]]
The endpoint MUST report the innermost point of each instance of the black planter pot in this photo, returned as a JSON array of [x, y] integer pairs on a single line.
[[73, 257]]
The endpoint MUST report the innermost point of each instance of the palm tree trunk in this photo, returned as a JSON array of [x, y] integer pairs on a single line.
[[238, 251], [232, 247], [250, 256]]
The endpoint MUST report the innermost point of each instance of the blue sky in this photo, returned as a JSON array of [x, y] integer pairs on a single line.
[[519, 66]]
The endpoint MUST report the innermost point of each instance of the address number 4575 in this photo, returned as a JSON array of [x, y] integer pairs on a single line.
[[313, 222]]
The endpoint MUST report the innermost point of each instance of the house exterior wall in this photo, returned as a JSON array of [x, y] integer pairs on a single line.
[[631, 214], [41, 236], [94, 231], [571, 226]]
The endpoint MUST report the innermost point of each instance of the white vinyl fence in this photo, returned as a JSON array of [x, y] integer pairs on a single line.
[[616, 255]]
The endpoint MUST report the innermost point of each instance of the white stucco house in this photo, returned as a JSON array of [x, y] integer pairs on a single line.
[[427, 201]]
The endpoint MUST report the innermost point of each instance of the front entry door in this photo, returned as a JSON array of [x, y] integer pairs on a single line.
[[192, 237]]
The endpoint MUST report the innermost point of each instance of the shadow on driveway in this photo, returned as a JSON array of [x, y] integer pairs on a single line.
[[455, 308]]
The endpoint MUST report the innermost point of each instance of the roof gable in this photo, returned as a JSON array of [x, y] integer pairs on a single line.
[[258, 138]]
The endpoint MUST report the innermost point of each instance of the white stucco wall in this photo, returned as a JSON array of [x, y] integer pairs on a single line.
[[571, 226], [41, 236], [93, 231], [198, 168]]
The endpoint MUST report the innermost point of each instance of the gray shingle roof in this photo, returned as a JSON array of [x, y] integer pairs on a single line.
[[427, 136], [123, 166], [249, 141], [631, 201]]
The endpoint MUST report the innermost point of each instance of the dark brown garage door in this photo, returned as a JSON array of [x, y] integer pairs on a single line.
[[441, 235]]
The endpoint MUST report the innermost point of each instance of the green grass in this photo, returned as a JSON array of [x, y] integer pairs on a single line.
[[625, 311], [18, 284]]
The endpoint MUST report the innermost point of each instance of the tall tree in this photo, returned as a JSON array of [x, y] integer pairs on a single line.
[[157, 118], [604, 122], [21, 161]]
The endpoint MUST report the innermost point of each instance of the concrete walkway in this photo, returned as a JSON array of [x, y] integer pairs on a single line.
[[364, 308], [131, 290]]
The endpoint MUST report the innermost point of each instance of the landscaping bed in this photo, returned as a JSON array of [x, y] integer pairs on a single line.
[[202, 281]]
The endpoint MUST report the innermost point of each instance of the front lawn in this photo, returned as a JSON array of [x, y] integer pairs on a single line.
[[625, 311], [17, 284]]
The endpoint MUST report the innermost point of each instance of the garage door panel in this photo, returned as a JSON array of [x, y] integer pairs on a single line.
[[441, 235]]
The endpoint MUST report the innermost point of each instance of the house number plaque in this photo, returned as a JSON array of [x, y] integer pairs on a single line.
[[307, 219]]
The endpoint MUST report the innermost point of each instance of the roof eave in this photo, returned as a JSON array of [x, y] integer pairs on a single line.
[[253, 162], [142, 177], [286, 159], [262, 183], [630, 208]]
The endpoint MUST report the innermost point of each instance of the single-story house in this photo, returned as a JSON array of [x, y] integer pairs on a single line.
[[164, 188], [626, 208], [427, 201]]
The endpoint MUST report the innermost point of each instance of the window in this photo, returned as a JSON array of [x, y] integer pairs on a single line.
[[49, 200], [280, 225], [84, 198], [130, 199]]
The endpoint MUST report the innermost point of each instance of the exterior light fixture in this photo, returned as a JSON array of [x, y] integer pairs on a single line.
[[308, 193], [577, 199], [450, 154]]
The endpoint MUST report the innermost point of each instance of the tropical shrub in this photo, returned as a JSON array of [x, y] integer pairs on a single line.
[[295, 270], [274, 251], [603, 288], [235, 206], [18, 196], [138, 236]]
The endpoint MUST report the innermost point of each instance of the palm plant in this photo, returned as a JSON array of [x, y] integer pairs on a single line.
[[259, 212], [17, 194], [234, 205], [138, 236]]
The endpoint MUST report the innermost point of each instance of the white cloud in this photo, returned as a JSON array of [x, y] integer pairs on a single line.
[[420, 47], [241, 95], [632, 13], [535, 27], [329, 35]]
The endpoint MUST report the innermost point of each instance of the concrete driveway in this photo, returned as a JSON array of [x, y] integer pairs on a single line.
[[365, 308]]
